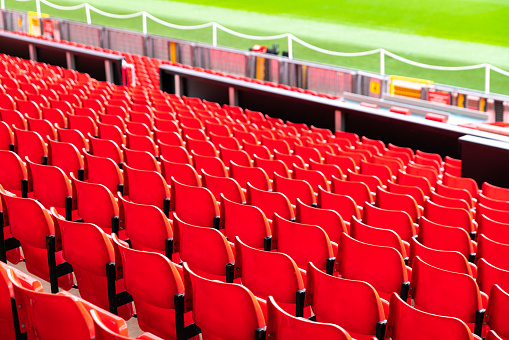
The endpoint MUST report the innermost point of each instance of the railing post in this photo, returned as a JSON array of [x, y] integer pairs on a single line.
[[144, 16], [487, 74], [382, 62], [3, 4], [214, 33], [87, 11], [290, 46], [38, 6]]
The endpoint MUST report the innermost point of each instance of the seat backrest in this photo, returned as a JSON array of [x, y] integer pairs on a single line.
[[394, 201], [51, 316], [358, 191], [74, 137], [256, 176], [111, 132], [383, 172], [182, 172], [194, 205], [153, 281], [488, 275], [328, 170], [272, 167], [449, 201], [414, 180], [405, 322], [65, 156], [329, 220], [281, 325], [492, 191], [497, 311], [462, 183], [269, 202], [456, 217], [227, 186], [49, 183], [396, 220], [494, 252], [451, 192], [492, 203], [413, 191], [102, 170], [430, 290], [444, 237], [267, 273], [313, 177], [453, 261], [382, 267], [224, 310], [495, 214], [344, 205], [30, 144], [353, 305], [302, 242], [246, 221], [145, 187], [141, 143], [141, 160], [12, 171], [173, 153], [377, 236], [371, 181], [294, 189], [205, 249], [212, 165], [497, 231]]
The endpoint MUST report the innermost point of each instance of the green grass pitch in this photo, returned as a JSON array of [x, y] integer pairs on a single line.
[[437, 32]]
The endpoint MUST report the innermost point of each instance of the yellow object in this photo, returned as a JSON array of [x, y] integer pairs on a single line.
[[460, 100], [374, 87], [34, 23], [260, 68], [408, 87], [173, 52]]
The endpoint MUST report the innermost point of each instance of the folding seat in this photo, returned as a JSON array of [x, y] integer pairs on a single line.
[[94, 104], [270, 202], [168, 138], [461, 183], [74, 137], [240, 157], [430, 290], [413, 180], [196, 134], [43, 127], [182, 172], [201, 147], [452, 170], [344, 205], [146, 187], [492, 203], [396, 220], [413, 191], [382, 172], [377, 236], [106, 148], [494, 252], [433, 156], [392, 201], [140, 129], [166, 125], [281, 146], [405, 322], [382, 267], [445, 237], [115, 110], [6, 137], [494, 192], [353, 305], [329, 220], [7, 102], [272, 167], [66, 157], [95, 204], [227, 186], [293, 189], [492, 335], [453, 261], [218, 129], [91, 267], [342, 143], [206, 250], [16, 95], [308, 153], [378, 143], [345, 163], [50, 186], [142, 118], [401, 156], [87, 112], [206, 299], [212, 165], [357, 155], [194, 205], [12, 172], [494, 214], [408, 151], [289, 160], [394, 164], [256, 176], [176, 154], [154, 283], [358, 191], [226, 142], [313, 177], [370, 180], [141, 143], [113, 120], [328, 170], [497, 231], [488, 275], [105, 331], [428, 162], [430, 173], [303, 243], [31, 224], [456, 217], [30, 144], [29, 109], [287, 130], [449, 202], [102, 170], [141, 160], [496, 313], [456, 193], [63, 106], [14, 118]]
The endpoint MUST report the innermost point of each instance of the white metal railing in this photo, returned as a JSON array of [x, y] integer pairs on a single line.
[[290, 37]]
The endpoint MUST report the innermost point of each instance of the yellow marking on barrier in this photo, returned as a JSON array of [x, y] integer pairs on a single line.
[[408, 87], [260, 68], [374, 87], [304, 76], [173, 52], [461, 100], [34, 23]]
